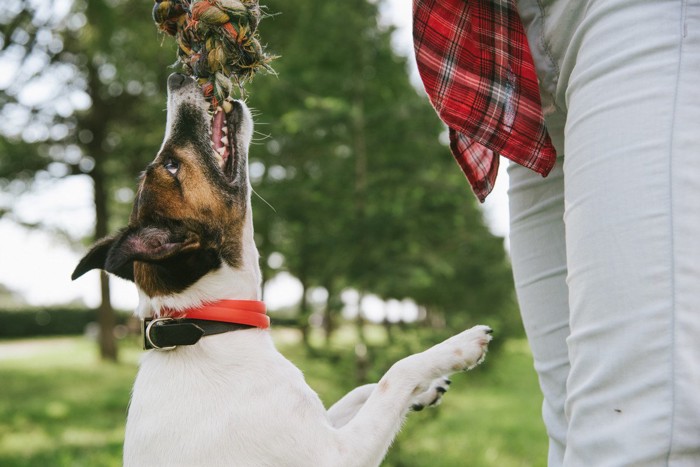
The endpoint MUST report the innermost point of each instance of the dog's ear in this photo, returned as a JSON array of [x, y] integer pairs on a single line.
[[97, 257], [148, 244]]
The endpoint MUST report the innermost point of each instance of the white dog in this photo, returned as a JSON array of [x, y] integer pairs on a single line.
[[215, 391]]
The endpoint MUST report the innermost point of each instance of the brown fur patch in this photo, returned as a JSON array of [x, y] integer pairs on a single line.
[[189, 212], [383, 385], [190, 197]]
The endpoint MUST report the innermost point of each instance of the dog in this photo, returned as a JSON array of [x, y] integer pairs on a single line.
[[214, 390]]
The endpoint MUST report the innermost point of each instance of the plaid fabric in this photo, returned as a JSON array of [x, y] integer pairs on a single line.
[[475, 62]]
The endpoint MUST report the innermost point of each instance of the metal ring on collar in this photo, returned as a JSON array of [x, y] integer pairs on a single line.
[[148, 334]]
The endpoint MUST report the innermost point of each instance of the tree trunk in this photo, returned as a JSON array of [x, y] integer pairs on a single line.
[[361, 351], [304, 314], [105, 312], [107, 321], [96, 124], [328, 321], [360, 147], [388, 326]]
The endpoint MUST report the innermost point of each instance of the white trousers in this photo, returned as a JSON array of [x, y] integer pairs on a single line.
[[606, 249]]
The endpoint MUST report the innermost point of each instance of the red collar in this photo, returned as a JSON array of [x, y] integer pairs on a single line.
[[248, 312]]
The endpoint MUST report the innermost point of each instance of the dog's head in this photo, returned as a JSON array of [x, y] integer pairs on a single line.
[[191, 205]]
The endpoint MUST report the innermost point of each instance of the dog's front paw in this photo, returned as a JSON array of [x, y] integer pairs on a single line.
[[431, 396], [468, 348]]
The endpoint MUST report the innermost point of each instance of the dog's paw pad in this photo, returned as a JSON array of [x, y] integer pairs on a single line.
[[432, 396]]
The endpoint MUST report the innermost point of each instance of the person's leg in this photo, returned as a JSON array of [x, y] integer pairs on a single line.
[[631, 83], [538, 256], [537, 235]]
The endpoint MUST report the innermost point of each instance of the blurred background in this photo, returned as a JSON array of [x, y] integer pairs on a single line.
[[372, 245]]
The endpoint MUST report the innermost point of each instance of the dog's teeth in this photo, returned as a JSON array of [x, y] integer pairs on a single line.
[[224, 140], [224, 130], [221, 151]]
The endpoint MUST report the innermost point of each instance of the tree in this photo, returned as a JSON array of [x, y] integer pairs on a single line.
[[102, 117], [365, 195]]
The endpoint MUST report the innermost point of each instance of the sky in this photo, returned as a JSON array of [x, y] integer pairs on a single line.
[[38, 265]]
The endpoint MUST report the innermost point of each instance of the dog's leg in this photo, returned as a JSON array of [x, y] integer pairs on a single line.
[[346, 408], [365, 439]]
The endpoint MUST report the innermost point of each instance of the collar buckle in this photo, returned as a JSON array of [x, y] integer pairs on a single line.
[[146, 328]]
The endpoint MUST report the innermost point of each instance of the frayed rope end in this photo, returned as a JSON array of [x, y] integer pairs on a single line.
[[217, 42]]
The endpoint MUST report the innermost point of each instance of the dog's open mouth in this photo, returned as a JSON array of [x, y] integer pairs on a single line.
[[223, 137]]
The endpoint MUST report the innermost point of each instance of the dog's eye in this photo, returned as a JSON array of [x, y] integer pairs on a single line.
[[172, 166]]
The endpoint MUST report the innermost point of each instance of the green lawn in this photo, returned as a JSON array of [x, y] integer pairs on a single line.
[[59, 406]]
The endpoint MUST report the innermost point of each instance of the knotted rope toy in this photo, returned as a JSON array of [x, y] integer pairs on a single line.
[[218, 43]]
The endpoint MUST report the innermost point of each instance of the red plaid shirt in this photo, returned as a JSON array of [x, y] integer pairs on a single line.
[[475, 62]]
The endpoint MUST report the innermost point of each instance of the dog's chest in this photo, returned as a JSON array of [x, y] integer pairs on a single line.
[[234, 403]]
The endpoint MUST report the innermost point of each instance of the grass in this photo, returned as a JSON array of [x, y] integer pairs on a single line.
[[60, 406], [490, 417]]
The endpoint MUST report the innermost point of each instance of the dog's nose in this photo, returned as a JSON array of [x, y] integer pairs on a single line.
[[176, 81]]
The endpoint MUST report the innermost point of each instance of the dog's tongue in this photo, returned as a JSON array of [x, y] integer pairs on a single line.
[[217, 133]]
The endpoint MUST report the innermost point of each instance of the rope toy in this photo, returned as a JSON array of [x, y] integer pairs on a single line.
[[218, 43]]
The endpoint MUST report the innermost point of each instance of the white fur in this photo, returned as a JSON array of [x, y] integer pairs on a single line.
[[233, 400]]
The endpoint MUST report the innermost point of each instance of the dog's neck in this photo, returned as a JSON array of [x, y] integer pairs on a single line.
[[226, 283]]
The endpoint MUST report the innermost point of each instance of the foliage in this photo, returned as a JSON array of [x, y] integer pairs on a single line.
[[60, 407], [24, 322], [86, 99], [87, 93], [57, 321], [10, 298], [364, 194]]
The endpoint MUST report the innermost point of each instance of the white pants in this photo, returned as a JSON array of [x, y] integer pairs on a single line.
[[606, 249]]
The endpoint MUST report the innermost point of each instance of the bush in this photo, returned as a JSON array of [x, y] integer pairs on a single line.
[[48, 321]]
